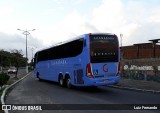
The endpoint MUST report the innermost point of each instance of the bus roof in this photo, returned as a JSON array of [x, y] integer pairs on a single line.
[[74, 38]]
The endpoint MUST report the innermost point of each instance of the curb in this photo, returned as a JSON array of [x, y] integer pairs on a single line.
[[9, 86], [136, 89]]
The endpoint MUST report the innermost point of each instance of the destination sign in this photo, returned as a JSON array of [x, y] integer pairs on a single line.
[[103, 38]]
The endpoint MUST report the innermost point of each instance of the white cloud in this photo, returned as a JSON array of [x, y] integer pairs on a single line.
[[72, 25], [154, 15], [138, 21], [9, 42], [107, 16], [6, 14], [98, 21], [133, 19]]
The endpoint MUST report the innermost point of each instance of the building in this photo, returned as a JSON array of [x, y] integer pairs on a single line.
[[141, 61], [142, 50]]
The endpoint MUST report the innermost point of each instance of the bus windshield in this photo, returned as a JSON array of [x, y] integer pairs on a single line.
[[103, 48]]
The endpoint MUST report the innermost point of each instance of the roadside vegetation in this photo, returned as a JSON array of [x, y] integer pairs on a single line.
[[4, 77], [8, 81], [14, 58]]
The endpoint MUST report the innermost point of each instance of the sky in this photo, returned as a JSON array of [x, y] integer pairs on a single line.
[[59, 20]]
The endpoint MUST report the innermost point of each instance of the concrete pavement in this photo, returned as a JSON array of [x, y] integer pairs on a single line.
[[139, 85]]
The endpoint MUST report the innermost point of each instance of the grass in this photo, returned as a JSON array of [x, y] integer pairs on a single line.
[[12, 80]]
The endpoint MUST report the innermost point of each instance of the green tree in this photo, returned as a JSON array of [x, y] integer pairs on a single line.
[[13, 58], [4, 59], [17, 59]]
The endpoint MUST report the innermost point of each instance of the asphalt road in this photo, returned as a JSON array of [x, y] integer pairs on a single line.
[[31, 91]]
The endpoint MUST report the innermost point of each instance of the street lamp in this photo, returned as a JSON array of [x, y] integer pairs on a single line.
[[26, 32], [121, 36], [32, 60], [32, 49]]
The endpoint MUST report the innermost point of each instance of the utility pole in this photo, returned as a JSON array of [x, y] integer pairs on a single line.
[[32, 49], [121, 36], [26, 33]]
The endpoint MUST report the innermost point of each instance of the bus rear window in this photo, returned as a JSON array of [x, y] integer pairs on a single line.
[[103, 48]]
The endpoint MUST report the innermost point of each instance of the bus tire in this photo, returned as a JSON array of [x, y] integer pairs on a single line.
[[38, 78], [61, 81], [68, 82]]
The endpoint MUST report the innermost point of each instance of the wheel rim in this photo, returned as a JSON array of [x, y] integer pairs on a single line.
[[38, 78], [61, 81], [68, 83]]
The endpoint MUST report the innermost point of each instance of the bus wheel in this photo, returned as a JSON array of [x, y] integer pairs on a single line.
[[38, 78], [68, 83], [61, 81]]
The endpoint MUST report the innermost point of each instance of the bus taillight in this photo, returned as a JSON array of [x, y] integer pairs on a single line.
[[89, 71], [118, 69]]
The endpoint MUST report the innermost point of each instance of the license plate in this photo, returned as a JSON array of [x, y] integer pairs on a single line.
[[105, 80]]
